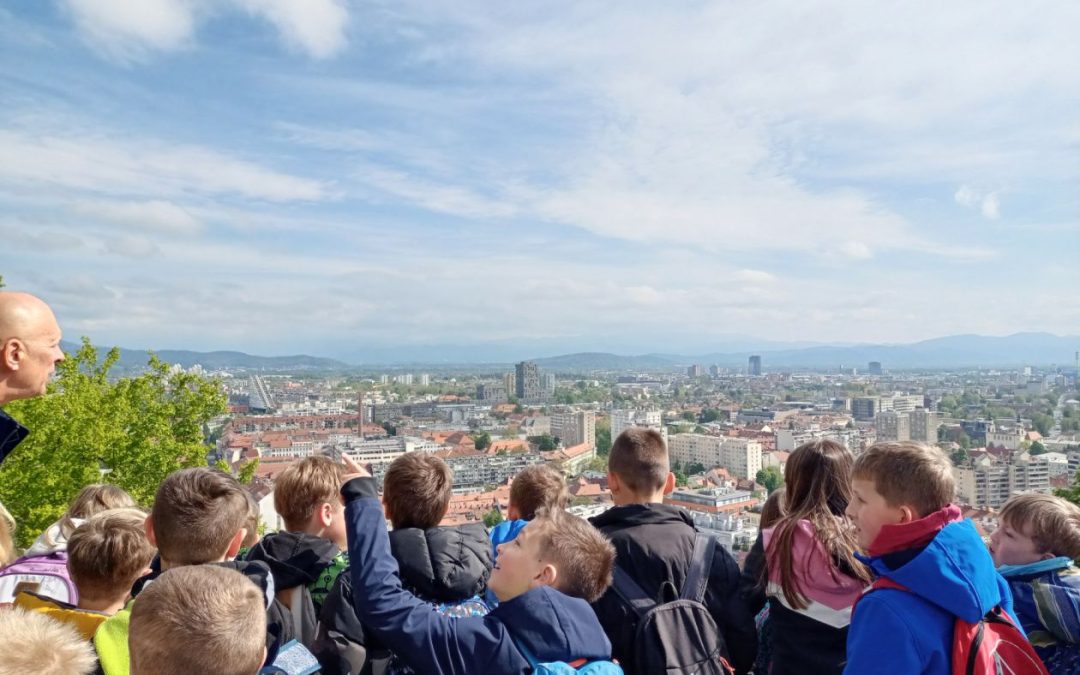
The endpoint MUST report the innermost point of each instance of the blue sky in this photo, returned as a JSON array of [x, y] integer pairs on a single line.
[[345, 178]]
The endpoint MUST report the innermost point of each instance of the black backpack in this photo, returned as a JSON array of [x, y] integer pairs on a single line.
[[677, 637]]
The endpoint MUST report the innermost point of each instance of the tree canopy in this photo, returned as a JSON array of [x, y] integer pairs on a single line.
[[131, 432], [769, 477]]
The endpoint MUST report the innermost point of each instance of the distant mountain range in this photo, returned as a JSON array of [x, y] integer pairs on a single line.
[[955, 351]]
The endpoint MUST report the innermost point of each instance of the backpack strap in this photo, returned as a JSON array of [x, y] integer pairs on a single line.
[[631, 592], [296, 607], [697, 576]]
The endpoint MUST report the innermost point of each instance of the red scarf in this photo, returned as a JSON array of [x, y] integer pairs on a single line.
[[893, 538]]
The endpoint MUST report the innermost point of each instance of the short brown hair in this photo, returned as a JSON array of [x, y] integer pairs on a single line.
[[36, 643], [639, 458], [304, 486], [416, 490], [198, 619], [196, 514], [538, 487], [108, 552], [1053, 523], [582, 555], [907, 473]]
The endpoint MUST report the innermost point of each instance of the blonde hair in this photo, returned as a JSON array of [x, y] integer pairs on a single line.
[[198, 619], [302, 487], [1052, 522], [32, 642], [581, 554], [907, 473], [7, 534], [108, 552], [92, 499]]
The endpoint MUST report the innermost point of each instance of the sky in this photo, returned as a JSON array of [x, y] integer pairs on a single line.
[[346, 178]]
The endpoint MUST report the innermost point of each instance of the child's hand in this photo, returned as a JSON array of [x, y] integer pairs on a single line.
[[355, 470]]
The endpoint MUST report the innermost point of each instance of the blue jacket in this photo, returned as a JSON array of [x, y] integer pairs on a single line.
[[1047, 600], [505, 531], [554, 626], [895, 631]]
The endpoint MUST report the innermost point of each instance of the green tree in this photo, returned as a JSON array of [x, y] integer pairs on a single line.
[[132, 432], [689, 416], [493, 518], [959, 457], [709, 415], [482, 441], [603, 437], [1037, 448], [1072, 493], [694, 468], [1042, 423], [770, 477]]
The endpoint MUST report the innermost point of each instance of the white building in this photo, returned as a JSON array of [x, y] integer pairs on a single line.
[[574, 428], [740, 456], [623, 419]]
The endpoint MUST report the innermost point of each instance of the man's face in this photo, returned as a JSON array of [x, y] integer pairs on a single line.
[[40, 354], [1011, 545], [869, 511], [518, 566]]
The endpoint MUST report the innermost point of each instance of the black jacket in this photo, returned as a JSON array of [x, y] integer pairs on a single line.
[[438, 565], [653, 544], [11, 434]]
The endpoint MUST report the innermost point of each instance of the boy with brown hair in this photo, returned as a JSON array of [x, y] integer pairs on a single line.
[[445, 566], [34, 643], [106, 555], [654, 545], [544, 580], [535, 488], [307, 557], [1034, 546], [197, 519], [198, 619], [934, 563]]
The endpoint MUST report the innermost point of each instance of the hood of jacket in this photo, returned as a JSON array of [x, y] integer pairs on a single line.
[[954, 572], [633, 515], [443, 564], [11, 434], [256, 571], [294, 558], [553, 626], [52, 540]]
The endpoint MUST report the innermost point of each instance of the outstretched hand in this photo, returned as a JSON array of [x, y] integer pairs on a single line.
[[355, 470]]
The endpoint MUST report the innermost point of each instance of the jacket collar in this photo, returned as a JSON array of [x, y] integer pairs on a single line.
[[642, 514], [1051, 565], [915, 534], [11, 434]]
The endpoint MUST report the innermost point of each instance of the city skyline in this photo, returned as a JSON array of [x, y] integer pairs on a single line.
[[230, 175]]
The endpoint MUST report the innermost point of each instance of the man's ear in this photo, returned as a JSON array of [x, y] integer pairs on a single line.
[[669, 483], [236, 543], [12, 354], [548, 576], [149, 525]]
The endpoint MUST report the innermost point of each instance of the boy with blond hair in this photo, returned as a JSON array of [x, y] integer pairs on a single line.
[[1034, 547], [34, 643], [307, 557], [932, 565], [197, 519], [198, 619], [544, 580], [534, 489], [106, 555]]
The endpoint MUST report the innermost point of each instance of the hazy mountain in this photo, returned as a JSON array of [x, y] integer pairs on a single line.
[[133, 359]]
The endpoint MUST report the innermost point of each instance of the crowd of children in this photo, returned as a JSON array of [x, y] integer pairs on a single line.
[[862, 565]]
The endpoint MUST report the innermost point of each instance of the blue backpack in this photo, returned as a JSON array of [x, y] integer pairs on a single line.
[[579, 667]]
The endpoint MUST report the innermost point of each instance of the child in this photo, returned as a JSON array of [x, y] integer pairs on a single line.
[[536, 487], [106, 554], [308, 556], [445, 566], [33, 643], [544, 580], [198, 619], [90, 500], [1034, 546], [198, 519], [913, 536], [805, 564], [654, 544], [771, 511]]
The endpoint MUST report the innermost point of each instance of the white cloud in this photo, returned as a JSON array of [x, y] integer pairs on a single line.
[[966, 196], [156, 215], [142, 167], [130, 31], [991, 206]]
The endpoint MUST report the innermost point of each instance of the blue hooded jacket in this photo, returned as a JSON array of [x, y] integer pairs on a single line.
[[911, 632], [553, 626]]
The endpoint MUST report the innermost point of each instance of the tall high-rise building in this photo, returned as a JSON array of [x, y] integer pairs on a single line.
[[874, 368], [714, 371], [755, 365], [425, 379], [695, 371], [510, 382], [547, 383], [893, 426], [574, 428], [865, 408], [924, 425], [527, 376]]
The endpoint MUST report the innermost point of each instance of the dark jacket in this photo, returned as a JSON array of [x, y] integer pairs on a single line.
[[11, 434], [895, 631], [439, 565], [554, 626], [653, 543]]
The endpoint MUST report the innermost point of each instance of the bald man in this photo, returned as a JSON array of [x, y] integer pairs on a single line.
[[29, 352]]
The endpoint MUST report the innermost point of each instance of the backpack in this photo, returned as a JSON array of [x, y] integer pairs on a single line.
[[992, 645], [679, 636], [578, 667], [42, 574]]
